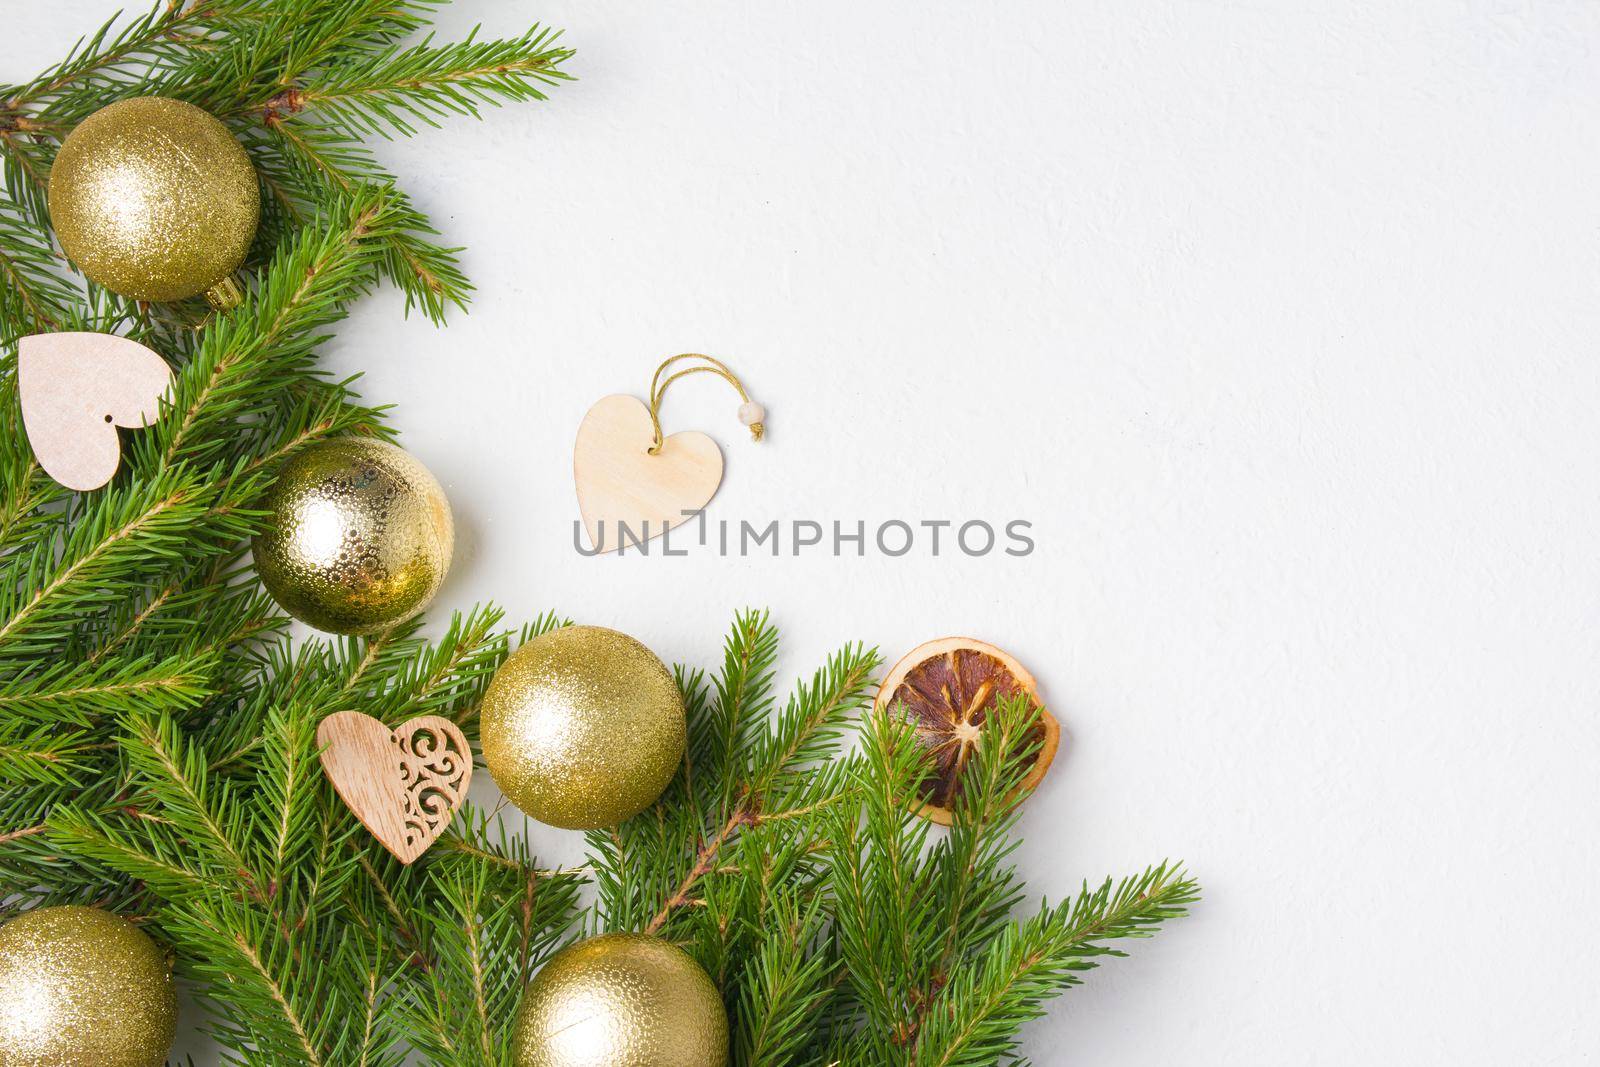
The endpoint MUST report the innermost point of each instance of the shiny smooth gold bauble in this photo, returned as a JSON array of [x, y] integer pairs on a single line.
[[359, 536], [621, 1000], [155, 199], [84, 987], [583, 727]]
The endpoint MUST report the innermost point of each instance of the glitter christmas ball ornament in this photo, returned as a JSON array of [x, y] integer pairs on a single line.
[[359, 538], [583, 727], [621, 1000], [83, 986], [155, 199]]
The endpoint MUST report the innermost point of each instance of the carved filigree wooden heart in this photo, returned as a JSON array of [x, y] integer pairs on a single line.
[[403, 784]]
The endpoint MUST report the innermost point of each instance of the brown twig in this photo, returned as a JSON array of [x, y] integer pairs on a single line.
[[14, 835], [705, 861]]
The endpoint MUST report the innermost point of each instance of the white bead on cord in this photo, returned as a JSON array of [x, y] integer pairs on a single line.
[[754, 416]]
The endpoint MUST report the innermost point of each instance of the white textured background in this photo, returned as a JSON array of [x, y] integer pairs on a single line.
[[1280, 323]]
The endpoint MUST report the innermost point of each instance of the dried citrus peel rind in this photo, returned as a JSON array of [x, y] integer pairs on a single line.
[[946, 690]]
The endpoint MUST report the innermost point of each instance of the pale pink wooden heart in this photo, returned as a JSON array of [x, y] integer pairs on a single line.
[[76, 389], [403, 784], [621, 483]]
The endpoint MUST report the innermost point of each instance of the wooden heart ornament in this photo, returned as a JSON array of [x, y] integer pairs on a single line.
[[620, 483], [403, 784], [76, 389]]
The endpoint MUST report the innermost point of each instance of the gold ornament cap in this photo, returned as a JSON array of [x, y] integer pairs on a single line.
[[583, 727], [225, 295], [155, 199], [621, 1000], [83, 986], [359, 536]]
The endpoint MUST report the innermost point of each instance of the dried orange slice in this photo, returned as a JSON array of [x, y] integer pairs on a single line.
[[948, 687]]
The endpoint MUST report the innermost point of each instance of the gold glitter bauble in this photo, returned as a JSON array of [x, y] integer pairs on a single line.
[[621, 1000], [583, 727], [81, 986], [155, 199], [359, 539]]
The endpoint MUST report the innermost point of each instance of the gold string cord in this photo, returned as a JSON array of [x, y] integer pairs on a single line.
[[712, 365]]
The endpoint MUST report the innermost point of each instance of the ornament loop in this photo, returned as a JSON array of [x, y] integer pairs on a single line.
[[225, 295], [751, 414]]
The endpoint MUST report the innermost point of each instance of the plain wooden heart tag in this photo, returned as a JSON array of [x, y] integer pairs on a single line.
[[76, 389], [621, 482], [403, 784]]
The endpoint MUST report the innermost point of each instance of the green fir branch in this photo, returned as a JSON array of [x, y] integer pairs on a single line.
[[304, 162], [34, 297], [42, 753], [46, 592], [113, 58], [237, 371], [979, 1013], [388, 91], [83, 692]]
